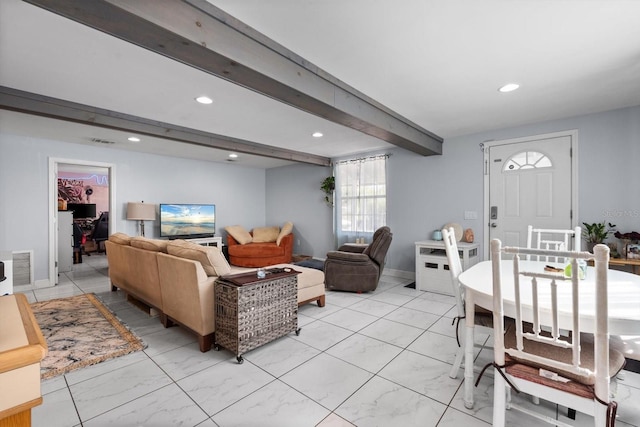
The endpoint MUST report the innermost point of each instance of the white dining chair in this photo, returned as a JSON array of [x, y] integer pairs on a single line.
[[571, 371], [553, 240], [483, 318]]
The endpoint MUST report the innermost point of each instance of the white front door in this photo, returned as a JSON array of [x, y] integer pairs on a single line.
[[530, 182]]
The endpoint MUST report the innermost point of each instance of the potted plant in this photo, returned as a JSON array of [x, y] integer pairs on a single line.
[[328, 185], [596, 233]]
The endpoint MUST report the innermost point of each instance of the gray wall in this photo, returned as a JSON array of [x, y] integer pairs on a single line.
[[293, 194], [427, 192], [238, 192], [424, 192]]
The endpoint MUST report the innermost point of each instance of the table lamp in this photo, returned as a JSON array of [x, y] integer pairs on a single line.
[[141, 212]]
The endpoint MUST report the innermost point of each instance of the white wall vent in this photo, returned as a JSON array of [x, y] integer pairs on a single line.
[[23, 268], [102, 141]]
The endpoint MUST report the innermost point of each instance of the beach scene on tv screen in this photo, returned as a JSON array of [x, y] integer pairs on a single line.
[[182, 220]]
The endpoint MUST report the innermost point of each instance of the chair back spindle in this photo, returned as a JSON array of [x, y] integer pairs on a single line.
[[455, 267], [552, 240], [536, 297]]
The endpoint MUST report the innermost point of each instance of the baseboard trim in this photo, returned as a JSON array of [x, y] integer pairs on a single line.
[[43, 283], [399, 273]]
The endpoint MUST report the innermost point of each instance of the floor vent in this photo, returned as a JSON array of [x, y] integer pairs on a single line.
[[22, 268]]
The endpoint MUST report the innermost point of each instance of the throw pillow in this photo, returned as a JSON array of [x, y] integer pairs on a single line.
[[120, 238], [209, 256], [220, 263], [287, 228], [149, 244], [238, 232], [265, 234]]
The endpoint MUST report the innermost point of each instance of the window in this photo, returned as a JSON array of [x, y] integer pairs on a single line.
[[527, 160], [361, 193]]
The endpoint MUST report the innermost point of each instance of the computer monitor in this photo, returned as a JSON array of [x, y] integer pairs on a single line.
[[82, 210]]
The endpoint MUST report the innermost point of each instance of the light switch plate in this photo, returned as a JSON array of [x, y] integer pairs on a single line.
[[470, 215]]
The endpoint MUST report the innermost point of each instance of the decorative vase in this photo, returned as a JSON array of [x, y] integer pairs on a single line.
[[468, 235]]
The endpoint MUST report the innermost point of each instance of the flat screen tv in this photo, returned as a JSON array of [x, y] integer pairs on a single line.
[[187, 221]]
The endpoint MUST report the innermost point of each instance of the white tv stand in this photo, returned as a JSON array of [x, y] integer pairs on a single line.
[[6, 286], [208, 241]]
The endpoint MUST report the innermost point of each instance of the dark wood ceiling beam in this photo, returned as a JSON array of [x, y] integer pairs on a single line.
[[200, 35], [40, 105]]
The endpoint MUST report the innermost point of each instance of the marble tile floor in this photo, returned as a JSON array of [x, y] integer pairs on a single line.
[[375, 359]]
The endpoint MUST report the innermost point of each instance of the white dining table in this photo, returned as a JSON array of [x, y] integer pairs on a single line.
[[623, 294]]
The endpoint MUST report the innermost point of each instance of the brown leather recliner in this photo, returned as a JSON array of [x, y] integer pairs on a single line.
[[357, 269]]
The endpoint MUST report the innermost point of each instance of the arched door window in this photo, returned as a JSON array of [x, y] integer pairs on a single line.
[[527, 160]]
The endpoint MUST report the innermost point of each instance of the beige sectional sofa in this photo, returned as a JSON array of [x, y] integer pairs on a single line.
[[176, 278]]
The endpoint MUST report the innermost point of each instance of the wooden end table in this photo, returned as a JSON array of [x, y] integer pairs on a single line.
[[632, 262]]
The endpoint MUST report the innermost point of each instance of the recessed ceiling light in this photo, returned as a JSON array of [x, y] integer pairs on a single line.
[[317, 134], [233, 155], [204, 100], [509, 87], [134, 139]]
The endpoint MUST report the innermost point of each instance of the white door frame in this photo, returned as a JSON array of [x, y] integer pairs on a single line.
[[54, 162], [573, 134]]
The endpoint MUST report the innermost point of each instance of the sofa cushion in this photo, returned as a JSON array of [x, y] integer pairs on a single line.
[[212, 260], [238, 232], [120, 238], [287, 228], [220, 263], [265, 234], [149, 244], [309, 277]]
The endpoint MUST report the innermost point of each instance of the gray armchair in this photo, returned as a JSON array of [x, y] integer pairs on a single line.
[[357, 269]]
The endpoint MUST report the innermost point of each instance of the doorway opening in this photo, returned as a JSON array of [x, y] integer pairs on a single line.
[[81, 196]]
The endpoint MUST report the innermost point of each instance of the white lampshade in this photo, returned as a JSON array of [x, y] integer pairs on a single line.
[[141, 211]]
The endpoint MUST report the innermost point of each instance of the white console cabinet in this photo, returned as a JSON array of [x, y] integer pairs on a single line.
[[6, 286], [208, 241], [432, 266]]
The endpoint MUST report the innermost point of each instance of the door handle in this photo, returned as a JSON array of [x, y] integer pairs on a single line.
[[494, 225], [493, 214]]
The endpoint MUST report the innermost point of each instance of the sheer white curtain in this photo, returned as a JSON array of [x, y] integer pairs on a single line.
[[361, 198]]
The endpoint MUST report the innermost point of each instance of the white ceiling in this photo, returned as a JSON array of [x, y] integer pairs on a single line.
[[437, 63]]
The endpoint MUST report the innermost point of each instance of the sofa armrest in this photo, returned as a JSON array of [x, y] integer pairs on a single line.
[[287, 242], [351, 248], [187, 293], [230, 240], [347, 256]]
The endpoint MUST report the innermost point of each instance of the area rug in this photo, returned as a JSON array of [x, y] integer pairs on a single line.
[[80, 331], [318, 264]]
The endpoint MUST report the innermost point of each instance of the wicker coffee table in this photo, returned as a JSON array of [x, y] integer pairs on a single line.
[[251, 312]]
